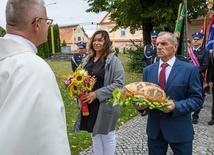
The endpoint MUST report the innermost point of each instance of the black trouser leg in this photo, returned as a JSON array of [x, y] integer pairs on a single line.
[[212, 112]]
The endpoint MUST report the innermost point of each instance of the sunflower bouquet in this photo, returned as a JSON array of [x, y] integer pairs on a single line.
[[79, 83]]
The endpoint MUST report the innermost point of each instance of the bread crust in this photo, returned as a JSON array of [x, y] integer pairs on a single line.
[[149, 91]]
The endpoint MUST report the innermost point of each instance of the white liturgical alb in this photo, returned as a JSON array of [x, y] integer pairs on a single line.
[[32, 114]]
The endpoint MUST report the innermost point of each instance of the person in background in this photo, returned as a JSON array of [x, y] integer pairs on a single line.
[[150, 51], [32, 113], [210, 80], [109, 73], [202, 57], [77, 58], [173, 126]]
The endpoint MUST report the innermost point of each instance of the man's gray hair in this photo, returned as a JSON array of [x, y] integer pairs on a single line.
[[20, 13], [173, 38]]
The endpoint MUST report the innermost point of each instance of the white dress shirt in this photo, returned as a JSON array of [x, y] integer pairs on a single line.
[[168, 68]]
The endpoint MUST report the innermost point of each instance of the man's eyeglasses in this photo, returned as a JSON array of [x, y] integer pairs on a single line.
[[48, 21]]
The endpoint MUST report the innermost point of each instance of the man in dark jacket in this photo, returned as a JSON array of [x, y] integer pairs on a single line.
[[202, 56], [149, 52], [76, 59], [210, 80]]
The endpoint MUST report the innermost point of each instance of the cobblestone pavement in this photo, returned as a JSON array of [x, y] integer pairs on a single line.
[[132, 138]]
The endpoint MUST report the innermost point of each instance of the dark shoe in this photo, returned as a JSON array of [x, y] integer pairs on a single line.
[[207, 90], [194, 121], [211, 122], [145, 112]]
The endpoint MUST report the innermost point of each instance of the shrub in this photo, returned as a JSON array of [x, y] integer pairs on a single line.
[[134, 53], [64, 43], [117, 50]]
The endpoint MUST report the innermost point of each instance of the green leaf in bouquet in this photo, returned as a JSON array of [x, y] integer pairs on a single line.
[[117, 97], [116, 94]]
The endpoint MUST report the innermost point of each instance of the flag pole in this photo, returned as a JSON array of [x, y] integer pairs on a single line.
[[186, 27]]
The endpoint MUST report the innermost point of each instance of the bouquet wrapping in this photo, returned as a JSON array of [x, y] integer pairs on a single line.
[[80, 83]]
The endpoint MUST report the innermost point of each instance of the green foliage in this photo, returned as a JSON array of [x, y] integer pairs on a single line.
[[49, 40], [117, 50], [64, 43], [57, 39], [45, 50], [82, 140], [2, 32], [40, 51], [146, 15], [134, 53]]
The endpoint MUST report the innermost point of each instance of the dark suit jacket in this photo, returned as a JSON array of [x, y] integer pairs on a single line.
[[148, 55], [203, 57], [76, 59], [184, 88]]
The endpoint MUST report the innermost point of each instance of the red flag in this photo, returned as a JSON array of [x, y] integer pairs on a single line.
[[203, 26]]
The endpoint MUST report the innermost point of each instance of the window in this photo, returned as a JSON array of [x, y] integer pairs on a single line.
[[79, 38], [123, 32]]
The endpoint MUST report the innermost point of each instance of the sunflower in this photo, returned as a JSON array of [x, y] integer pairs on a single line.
[[74, 90], [80, 77], [89, 86]]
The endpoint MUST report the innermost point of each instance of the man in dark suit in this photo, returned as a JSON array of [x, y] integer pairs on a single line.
[[203, 56], [210, 80], [76, 59], [173, 126]]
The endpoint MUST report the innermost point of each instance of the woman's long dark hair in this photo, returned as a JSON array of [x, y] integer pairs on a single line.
[[107, 45]]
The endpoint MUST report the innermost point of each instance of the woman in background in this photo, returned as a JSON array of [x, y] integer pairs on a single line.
[[109, 73]]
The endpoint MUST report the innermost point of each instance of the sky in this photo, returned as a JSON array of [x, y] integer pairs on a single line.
[[65, 12]]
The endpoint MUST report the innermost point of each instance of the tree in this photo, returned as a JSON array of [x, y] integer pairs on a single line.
[[57, 39], [146, 15]]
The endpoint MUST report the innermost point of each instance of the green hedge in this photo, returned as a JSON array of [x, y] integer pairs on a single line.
[[45, 49]]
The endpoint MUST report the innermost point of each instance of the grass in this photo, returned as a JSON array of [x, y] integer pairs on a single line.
[[82, 140]]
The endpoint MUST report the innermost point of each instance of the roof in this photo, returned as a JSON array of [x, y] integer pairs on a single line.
[[69, 26]]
